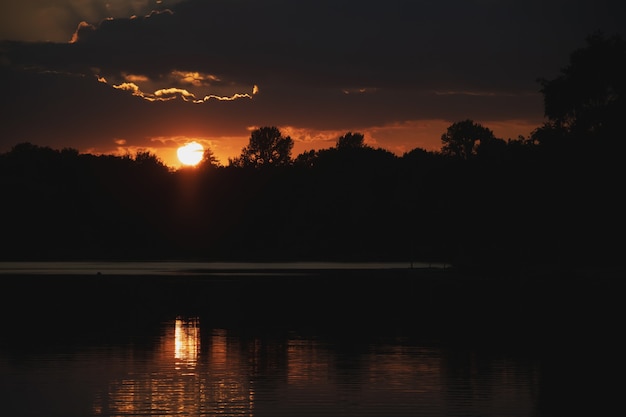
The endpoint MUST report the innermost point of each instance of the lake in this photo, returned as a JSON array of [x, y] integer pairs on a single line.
[[305, 339]]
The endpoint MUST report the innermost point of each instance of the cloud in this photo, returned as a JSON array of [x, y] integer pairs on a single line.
[[56, 20], [172, 93], [344, 44], [334, 43], [195, 78]]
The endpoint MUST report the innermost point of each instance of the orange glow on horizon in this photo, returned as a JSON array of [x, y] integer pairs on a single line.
[[397, 138]]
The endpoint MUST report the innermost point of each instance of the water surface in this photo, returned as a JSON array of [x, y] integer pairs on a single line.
[[289, 341]]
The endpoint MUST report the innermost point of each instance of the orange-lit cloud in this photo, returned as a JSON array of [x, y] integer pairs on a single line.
[[132, 87], [194, 87], [172, 93], [82, 27], [135, 78], [195, 78], [227, 98]]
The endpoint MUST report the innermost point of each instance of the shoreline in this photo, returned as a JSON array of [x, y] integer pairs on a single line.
[[195, 267]]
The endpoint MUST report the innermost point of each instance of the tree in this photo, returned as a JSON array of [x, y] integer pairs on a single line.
[[306, 159], [209, 160], [150, 161], [550, 136], [588, 99], [350, 141], [267, 147], [463, 139], [492, 149]]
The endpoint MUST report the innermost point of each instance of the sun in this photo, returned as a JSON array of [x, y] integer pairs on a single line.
[[190, 154]]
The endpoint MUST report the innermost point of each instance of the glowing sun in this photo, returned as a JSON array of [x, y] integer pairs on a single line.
[[191, 153]]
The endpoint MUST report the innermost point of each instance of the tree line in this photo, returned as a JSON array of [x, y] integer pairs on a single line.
[[553, 197]]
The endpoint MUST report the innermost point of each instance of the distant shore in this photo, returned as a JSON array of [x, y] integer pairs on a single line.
[[196, 267]]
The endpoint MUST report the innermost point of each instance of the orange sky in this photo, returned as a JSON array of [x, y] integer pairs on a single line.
[[398, 139]]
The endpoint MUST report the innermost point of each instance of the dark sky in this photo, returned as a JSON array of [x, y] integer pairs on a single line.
[[120, 76]]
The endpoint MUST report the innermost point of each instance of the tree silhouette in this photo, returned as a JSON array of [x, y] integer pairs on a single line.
[[267, 147], [588, 99], [463, 139], [209, 160], [350, 141], [151, 160], [306, 159], [492, 149]]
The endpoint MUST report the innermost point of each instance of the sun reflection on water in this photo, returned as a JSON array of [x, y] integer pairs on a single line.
[[187, 340], [195, 372], [177, 379]]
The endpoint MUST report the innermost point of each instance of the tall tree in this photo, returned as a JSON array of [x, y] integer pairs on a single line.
[[462, 139], [209, 160], [588, 99], [267, 147]]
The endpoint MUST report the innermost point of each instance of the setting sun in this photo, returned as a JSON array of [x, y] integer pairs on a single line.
[[190, 154]]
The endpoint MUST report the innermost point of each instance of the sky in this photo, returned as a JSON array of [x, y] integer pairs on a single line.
[[118, 77]]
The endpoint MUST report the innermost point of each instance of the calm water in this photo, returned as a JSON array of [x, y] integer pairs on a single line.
[[63, 357]]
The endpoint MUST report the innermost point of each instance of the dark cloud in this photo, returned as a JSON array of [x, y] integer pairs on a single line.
[[444, 44], [55, 20]]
